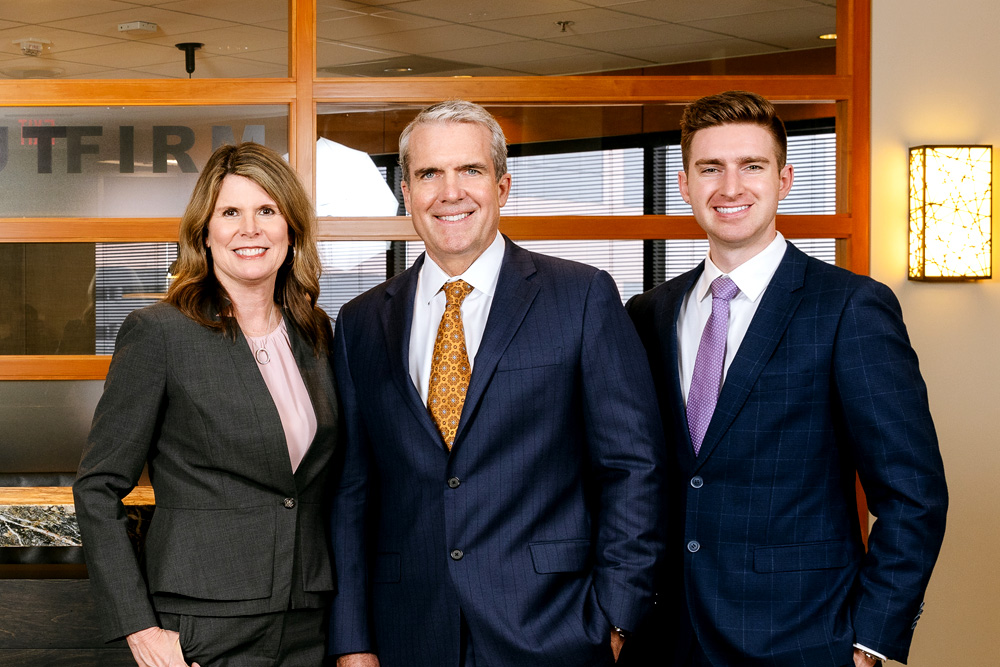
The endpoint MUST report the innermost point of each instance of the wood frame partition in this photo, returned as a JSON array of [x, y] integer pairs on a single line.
[[848, 88]]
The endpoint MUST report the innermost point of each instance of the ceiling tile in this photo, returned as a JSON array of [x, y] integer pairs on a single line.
[[271, 56], [593, 62], [682, 12], [436, 39], [104, 73], [710, 50], [656, 35], [413, 65], [358, 21], [338, 54], [469, 11], [35, 68], [169, 24], [52, 10], [128, 55], [238, 11], [220, 67], [790, 29], [545, 26], [61, 41], [508, 54], [323, 4], [230, 40]]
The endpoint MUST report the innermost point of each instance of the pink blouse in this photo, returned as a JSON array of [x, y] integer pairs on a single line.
[[283, 380]]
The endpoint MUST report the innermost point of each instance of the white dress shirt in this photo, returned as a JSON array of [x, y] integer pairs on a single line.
[[429, 303], [752, 277]]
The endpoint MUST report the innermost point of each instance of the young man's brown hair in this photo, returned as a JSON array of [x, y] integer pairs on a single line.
[[732, 106]]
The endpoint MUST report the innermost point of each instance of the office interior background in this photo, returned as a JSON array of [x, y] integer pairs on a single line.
[[102, 133]]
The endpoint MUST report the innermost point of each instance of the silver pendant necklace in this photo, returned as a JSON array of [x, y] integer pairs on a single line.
[[261, 354]]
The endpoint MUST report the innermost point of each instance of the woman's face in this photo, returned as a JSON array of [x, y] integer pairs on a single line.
[[248, 235]]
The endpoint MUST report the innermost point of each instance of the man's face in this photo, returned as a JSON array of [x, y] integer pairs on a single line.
[[453, 195], [734, 184]]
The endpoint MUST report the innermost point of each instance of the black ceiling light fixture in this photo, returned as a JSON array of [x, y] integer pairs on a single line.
[[189, 48]]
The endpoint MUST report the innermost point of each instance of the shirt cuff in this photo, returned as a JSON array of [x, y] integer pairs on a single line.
[[873, 652]]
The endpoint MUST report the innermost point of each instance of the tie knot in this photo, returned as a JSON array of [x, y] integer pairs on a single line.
[[456, 292], [723, 287]]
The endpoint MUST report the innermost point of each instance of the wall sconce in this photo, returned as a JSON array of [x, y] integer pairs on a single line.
[[951, 206]]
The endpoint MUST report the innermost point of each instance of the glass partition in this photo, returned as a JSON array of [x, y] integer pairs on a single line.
[[119, 40], [119, 161], [565, 160], [478, 38]]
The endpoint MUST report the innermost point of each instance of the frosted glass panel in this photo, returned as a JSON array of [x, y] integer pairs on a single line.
[[119, 161]]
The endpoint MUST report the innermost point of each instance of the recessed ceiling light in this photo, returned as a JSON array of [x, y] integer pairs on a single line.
[[829, 35], [397, 70]]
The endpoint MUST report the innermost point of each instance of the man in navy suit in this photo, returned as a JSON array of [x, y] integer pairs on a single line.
[[766, 564], [523, 526]]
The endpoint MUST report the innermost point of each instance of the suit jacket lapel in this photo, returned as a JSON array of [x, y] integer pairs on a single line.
[[318, 379], [514, 293], [397, 317], [269, 429], [778, 304]]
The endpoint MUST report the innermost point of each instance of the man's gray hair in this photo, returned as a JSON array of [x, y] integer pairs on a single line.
[[457, 111]]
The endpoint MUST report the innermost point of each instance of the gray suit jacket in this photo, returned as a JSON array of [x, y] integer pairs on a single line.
[[234, 531]]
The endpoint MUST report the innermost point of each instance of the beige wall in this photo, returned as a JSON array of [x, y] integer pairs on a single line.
[[936, 79]]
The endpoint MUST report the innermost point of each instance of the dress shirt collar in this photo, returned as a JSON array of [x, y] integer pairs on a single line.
[[482, 275], [752, 276]]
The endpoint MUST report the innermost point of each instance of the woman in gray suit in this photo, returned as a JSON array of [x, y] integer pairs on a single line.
[[225, 389]]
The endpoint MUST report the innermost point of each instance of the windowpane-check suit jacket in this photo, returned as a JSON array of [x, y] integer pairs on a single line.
[[765, 561]]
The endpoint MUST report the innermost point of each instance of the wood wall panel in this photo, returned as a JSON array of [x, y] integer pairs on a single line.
[[577, 89]]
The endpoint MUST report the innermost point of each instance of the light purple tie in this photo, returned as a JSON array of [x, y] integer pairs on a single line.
[[707, 375]]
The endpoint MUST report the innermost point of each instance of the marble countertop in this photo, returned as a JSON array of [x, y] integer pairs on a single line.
[[45, 516]]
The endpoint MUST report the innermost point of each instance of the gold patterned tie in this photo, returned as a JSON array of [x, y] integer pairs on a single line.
[[450, 369]]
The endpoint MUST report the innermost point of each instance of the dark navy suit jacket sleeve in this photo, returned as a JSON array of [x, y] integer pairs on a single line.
[[349, 615], [888, 427]]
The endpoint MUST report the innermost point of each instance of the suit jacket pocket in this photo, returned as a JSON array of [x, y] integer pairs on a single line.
[[387, 569], [211, 554], [796, 557], [516, 358], [560, 556]]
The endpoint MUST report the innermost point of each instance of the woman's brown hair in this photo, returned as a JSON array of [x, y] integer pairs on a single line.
[[197, 293]]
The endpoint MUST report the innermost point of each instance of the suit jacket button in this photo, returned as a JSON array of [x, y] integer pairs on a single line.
[[456, 554], [693, 546], [288, 502], [454, 483], [697, 482]]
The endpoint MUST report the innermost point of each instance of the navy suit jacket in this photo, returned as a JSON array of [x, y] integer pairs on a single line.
[[541, 526], [765, 563]]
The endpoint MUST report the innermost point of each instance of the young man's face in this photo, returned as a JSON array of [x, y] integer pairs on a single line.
[[453, 194], [734, 184]]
